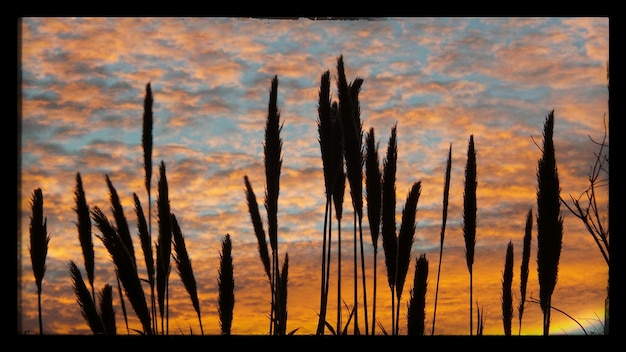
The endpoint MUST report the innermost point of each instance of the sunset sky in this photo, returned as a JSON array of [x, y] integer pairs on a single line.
[[83, 83]]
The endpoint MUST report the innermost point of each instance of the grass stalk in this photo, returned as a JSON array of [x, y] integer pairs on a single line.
[[524, 266], [444, 217], [416, 310], [163, 248], [469, 217], [507, 296], [549, 222], [39, 240], [83, 225], [226, 287], [388, 217], [85, 301], [373, 179], [184, 268], [405, 240]]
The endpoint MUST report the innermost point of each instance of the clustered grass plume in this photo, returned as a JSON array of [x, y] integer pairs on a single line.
[[145, 239], [39, 240], [388, 217], [373, 188]]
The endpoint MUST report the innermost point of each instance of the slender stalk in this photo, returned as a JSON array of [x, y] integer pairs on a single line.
[[226, 285], [405, 243], [549, 222], [507, 296], [388, 217], [416, 314], [83, 225], [146, 142], [39, 240], [164, 248], [444, 217], [524, 266], [469, 216], [184, 267], [373, 185]]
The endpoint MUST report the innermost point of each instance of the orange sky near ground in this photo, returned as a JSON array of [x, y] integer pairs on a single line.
[[210, 109]]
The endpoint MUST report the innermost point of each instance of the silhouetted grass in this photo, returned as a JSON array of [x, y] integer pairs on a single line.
[[184, 268], [524, 266], [416, 310], [549, 222], [83, 225], [163, 248], [444, 217], [226, 286], [507, 295], [86, 303], [39, 240], [469, 216]]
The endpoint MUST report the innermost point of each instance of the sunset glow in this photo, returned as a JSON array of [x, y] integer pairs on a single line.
[[83, 83]]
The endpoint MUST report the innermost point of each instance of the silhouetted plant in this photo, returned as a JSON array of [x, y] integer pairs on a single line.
[[507, 296], [444, 217], [86, 303], [83, 225], [349, 111], [416, 308], [524, 266], [373, 187], [405, 242], [184, 268], [549, 222], [145, 239], [107, 313], [272, 148], [585, 208], [388, 218], [163, 248], [39, 240], [146, 143], [469, 215], [125, 268], [226, 286]]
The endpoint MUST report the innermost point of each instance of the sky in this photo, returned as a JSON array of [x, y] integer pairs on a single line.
[[441, 80]]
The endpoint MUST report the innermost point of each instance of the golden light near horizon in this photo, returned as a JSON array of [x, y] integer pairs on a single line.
[[439, 79]]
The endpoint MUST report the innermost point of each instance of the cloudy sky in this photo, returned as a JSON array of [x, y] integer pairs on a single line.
[[83, 81]]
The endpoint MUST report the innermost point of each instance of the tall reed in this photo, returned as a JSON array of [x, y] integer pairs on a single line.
[[39, 240], [226, 286], [444, 217], [272, 149], [163, 248], [353, 137], [325, 127], [83, 225], [184, 268], [145, 239], [549, 222], [524, 266], [507, 296], [388, 217], [146, 143], [469, 216], [416, 310], [405, 240], [373, 187]]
